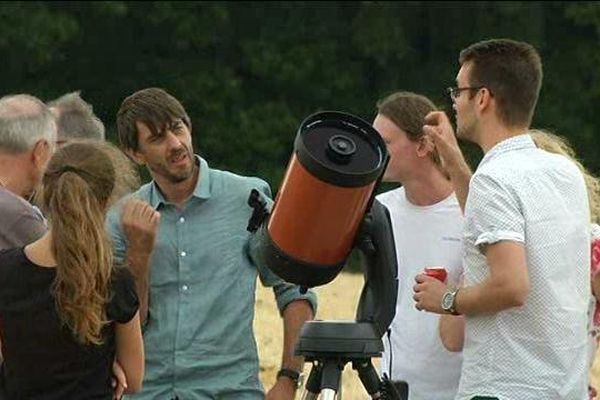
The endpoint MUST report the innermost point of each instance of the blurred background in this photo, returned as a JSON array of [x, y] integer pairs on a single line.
[[249, 72]]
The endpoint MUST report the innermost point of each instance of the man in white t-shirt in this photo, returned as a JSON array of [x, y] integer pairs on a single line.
[[427, 224], [527, 253]]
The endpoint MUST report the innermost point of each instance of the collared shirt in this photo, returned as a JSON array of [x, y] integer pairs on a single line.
[[199, 340], [537, 351]]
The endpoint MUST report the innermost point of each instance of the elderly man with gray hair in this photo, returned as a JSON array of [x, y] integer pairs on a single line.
[[75, 119], [27, 141]]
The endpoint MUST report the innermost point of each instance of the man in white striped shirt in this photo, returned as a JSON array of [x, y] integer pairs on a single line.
[[526, 237]]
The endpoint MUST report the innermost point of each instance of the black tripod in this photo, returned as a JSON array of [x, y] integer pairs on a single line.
[[330, 345]]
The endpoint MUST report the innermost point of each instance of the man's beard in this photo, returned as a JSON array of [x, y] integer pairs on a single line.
[[163, 169]]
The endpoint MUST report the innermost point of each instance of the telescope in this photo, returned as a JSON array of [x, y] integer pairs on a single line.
[[325, 208]]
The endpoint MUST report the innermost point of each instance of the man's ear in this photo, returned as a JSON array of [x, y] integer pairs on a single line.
[[41, 154], [485, 99], [136, 156], [425, 146]]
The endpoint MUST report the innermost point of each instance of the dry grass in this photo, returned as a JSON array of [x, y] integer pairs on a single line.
[[337, 300]]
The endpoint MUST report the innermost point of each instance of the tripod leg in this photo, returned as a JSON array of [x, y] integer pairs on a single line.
[[369, 378], [328, 394], [330, 380], [313, 383]]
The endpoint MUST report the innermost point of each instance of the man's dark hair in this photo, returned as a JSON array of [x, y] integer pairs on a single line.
[[511, 71], [155, 108]]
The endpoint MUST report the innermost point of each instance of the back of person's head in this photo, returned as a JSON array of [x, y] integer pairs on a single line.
[[407, 111], [24, 121], [155, 108], [559, 145], [512, 72], [77, 187], [76, 119]]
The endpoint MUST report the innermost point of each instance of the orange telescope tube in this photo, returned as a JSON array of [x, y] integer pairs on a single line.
[[327, 189]]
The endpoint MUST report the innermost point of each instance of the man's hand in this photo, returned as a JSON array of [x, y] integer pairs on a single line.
[[439, 129], [119, 380], [140, 225], [284, 389], [428, 294]]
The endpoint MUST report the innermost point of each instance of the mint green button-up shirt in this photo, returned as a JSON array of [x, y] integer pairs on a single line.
[[199, 340]]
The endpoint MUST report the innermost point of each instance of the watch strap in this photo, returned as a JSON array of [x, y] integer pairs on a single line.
[[453, 291], [289, 373]]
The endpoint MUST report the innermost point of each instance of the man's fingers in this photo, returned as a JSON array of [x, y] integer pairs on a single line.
[[433, 118]]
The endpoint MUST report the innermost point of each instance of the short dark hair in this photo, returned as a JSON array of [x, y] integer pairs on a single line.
[[512, 71], [154, 107]]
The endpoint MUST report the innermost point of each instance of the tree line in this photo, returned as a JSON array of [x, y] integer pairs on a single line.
[[249, 72]]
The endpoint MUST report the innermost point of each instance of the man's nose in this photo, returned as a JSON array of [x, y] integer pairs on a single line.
[[172, 139]]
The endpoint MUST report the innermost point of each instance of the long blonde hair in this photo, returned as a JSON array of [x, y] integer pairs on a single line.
[[559, 145], [78, 184]]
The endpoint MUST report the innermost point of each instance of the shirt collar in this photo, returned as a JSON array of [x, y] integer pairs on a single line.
[[201, 191], [518, 142]]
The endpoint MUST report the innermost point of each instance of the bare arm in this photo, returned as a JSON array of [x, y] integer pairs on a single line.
[[130, 352], [294, 316], [439, 130], [507, 285], [452, 332], [140, 225]]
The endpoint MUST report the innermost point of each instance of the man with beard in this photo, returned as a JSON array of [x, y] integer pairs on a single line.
[[527, 258], [195, 277]]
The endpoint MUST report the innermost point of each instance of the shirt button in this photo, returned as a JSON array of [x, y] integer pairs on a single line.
[[184, 288], [183, 254], [181, 220]]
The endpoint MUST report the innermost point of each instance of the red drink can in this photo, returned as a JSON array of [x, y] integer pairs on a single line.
[[438, 273]]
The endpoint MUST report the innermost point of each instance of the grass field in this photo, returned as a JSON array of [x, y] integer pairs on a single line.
[[337, 300]]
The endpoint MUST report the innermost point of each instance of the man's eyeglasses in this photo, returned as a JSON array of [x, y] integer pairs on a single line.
[[454, 92]]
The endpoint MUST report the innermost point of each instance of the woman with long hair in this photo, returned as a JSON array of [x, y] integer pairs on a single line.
[[66, 312]]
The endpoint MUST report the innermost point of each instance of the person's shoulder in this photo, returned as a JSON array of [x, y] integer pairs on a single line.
[[391, 196], [143, 193], [14, 205], [238, 182]]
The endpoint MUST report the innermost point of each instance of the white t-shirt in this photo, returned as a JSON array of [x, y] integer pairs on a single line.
[[538, 351], [424, 236]]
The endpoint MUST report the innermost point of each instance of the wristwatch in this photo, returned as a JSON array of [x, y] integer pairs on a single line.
[[291, 374], [449, 300]]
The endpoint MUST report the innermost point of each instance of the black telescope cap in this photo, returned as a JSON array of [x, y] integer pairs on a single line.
[[340, 149]]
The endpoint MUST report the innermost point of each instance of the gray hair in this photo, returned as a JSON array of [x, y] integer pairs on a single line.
[[76, 118], [24, 120]]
